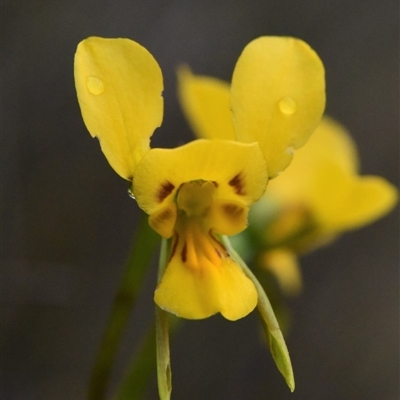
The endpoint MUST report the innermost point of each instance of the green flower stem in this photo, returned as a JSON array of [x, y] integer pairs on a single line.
[[140, 369], [162, 336], [140, 256], [276, 341]]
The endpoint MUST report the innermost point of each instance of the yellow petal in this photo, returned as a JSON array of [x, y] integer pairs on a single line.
[[366, 199], [163, 220], [329, 151], [277, 97], [329, 144], [197, 294], [285, 267], [228, 217], [119, 86], [237, 170], [205, 102], [331, 141]]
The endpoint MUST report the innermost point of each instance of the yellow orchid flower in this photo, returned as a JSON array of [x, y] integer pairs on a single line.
[[201, 190], [318, 197]]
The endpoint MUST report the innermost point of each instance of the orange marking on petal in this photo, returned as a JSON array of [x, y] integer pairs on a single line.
[[233, 210]]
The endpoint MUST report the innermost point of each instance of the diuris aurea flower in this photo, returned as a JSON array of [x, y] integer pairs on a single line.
[[201, 190]]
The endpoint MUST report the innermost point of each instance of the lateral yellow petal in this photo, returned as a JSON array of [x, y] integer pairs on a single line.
[[205, 102], [119, 86], [197, 294], [367, 198], [163, 220], [277, 97], [228, 217], [237, 170]]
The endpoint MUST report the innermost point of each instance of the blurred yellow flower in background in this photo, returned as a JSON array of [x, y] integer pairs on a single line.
[[320, 196]]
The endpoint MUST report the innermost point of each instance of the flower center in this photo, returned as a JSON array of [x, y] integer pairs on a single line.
[[194, 242], [196, 247], [195, 197], [194, 218]]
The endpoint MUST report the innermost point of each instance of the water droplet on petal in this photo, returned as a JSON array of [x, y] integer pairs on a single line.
[[131, 195], [95, 85], [290, 151], [287, 105]]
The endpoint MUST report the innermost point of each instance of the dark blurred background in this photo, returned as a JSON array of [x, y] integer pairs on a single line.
[[68, 222]]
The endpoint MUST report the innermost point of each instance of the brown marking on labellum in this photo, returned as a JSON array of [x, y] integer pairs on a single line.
[[233, 210], [164, 191], [237, 183], [167, 214], [215, 183], [184, 253], [174, 246]]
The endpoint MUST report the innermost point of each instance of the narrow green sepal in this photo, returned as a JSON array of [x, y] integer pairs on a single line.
[[164, 377], [279, 351], [276, 341], [163, 356]]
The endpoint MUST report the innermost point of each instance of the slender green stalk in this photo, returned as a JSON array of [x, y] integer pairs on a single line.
[[143, 364], [140, 256]]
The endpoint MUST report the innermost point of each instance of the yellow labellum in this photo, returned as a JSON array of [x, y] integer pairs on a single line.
[[201, 279]]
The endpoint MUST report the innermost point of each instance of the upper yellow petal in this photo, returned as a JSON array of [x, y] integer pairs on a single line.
[[237, 170], [277, 97], [119, 86], [205, 101]]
